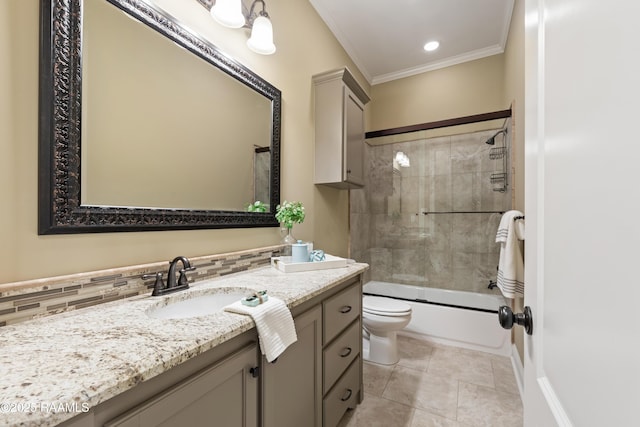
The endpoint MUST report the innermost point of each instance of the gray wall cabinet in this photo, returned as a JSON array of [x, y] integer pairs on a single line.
[[339, 129]]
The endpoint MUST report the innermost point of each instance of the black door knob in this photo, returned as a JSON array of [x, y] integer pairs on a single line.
[[507, 319]]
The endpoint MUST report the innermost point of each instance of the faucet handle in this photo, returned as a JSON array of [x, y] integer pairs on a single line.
[[182, 280], [158, 286]]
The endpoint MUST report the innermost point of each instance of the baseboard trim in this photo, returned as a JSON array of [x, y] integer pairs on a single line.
[[518, 370]]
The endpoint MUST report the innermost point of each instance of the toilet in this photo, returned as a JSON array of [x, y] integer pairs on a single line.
[[382, 318]]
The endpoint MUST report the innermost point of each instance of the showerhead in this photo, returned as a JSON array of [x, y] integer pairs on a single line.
[[492, 140]]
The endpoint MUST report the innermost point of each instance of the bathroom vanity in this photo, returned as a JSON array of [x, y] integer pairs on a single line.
[[119, 367]]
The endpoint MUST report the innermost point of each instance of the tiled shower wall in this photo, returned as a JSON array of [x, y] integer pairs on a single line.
[[400, 220], [261, 176]]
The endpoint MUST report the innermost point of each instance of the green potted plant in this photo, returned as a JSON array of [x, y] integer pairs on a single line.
[[288, 214], [257, 206]]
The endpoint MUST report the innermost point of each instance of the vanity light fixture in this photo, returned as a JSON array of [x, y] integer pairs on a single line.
[[229, 13], [261, 40]]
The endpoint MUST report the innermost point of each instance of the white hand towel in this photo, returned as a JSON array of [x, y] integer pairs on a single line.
[[511, 265], [274, 322]]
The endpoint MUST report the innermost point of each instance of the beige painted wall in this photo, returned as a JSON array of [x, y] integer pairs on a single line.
[[26, 255], [11, 163], [461, 90], [514, 93]]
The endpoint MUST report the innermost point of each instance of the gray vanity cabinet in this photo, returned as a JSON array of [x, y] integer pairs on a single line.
[[311, 384], [339, 129], [315, 381], [291, 386], [226, 394], [341, 355]]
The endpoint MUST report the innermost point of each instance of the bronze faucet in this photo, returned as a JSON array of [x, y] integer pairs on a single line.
[[172, 286]]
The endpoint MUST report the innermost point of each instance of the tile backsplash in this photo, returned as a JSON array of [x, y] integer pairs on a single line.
[[22, 301]]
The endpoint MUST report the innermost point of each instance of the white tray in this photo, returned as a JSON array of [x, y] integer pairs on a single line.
[[284, 264]]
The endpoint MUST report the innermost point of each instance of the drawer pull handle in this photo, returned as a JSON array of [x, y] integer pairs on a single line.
[[345, 352], [255, 371], [345, 309], [347, 395]]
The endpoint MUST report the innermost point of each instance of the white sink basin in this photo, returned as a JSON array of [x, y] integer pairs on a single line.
[[200, 304]]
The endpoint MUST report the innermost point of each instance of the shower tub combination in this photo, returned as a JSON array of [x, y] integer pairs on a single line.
[[427, 225], [462, 319]]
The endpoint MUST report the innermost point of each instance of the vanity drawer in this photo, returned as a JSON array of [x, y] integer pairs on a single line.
[[340, 310], [339, 355], [343, 396]]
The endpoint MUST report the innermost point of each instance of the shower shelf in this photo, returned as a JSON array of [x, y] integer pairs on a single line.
[[497, 178], [500, 152], [497, 153]]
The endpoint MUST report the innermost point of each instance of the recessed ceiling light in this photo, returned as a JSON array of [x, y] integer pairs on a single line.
[[431, 46]]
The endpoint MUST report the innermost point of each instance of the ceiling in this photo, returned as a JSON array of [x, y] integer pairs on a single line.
[[385, 38]]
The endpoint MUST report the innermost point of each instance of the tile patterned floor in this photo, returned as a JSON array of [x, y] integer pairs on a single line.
[[438, 386]]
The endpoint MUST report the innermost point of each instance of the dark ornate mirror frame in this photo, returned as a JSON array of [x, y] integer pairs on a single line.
[[59, 206]]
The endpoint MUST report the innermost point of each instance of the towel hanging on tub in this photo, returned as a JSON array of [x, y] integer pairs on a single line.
[[511, 266]]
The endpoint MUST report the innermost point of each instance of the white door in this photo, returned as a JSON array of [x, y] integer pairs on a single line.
[[582, 150]]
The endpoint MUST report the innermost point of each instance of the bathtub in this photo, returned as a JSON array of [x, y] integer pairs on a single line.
[[462, 319]]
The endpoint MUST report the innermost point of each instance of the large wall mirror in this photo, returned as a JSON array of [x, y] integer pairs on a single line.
[[146, 126]]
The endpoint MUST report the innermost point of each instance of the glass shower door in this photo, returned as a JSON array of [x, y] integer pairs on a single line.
[[428, 214]]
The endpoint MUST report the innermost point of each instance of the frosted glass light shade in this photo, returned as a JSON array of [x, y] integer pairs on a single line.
[[228, 13], [261, 40]]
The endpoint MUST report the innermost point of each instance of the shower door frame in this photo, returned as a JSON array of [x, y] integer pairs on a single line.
[[502, 114]]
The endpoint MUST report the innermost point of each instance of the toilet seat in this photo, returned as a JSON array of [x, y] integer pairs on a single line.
[[386, 314], [385, 306]]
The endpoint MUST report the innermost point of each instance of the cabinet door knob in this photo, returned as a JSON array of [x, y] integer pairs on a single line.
[[347, 395], [345, 309], [345, 352], [255, 371]]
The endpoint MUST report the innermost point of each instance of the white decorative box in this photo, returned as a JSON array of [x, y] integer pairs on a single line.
[[284, 264]]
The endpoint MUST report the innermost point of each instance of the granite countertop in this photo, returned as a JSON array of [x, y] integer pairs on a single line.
[[56, 367]]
